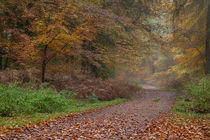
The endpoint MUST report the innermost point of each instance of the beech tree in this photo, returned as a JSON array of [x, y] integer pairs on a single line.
[[55, 35]]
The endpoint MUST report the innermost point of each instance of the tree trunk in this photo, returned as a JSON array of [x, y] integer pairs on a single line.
[[44, 63], [6, 60], [207, 41], [1, 67]]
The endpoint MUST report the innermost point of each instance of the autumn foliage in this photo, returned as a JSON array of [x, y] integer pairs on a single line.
[[48, 32]]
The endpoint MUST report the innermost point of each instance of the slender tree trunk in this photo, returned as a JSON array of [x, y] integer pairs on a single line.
[[6, 63], [153, 68], [44, 63], [207, 41], [1, 67]]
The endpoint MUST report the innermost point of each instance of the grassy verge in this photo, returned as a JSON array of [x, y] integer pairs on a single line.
[[8, 122], [21, 106], [182, 108], [195, 102]]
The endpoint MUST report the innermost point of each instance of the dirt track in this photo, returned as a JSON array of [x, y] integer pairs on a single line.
[[123, 121]]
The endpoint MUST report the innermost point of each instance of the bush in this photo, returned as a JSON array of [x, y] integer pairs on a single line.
[[15, 101], [198, 93], [49, 104], [182, 105], [105, 90], [93, 99]]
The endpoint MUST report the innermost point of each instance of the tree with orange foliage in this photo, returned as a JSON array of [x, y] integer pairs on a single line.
[[15, 18], [38, 31], [55, 35]]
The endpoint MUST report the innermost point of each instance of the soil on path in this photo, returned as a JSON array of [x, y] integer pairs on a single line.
[[124, 121]]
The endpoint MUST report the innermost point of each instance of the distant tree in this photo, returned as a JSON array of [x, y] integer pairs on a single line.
[[15, 18], [208, 39]]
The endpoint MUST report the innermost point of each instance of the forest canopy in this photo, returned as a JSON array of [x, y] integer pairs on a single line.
[[106, 38]]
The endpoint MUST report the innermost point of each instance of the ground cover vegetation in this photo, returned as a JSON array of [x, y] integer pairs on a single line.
[[20, 106]]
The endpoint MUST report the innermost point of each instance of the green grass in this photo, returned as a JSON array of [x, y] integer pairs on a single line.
[[21, 106], [39, 117], [16, 101], [183, 108]]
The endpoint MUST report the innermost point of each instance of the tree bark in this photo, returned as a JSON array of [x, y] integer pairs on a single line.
[[1, 67], [5, 63], [44, 63], [207, 41]]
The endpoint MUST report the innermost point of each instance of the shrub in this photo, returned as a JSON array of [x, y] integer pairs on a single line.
[[198, 93], [25, 76], [104, 90], [93, 99], [15, 101], [49, 104], [182, 105], [67, 94]]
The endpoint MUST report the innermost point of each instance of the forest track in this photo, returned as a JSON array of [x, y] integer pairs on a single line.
[[123, 121]]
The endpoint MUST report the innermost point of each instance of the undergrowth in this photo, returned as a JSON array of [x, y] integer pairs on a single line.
[[196, 99], [20, 106], [15, 101], [78, 106]]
